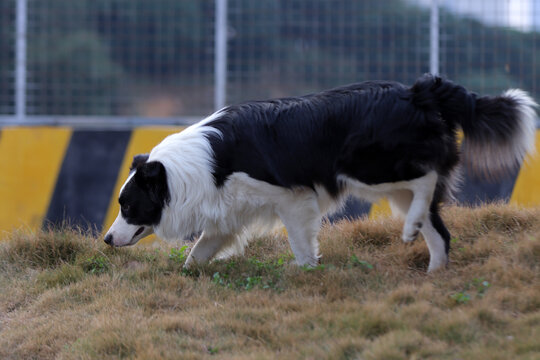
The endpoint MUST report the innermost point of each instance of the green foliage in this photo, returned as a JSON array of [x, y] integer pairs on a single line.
[[96, 264], [251, 273], [356, 262], [461, 297], [478, 287], [240, 283], [179, 255], [220, 279]]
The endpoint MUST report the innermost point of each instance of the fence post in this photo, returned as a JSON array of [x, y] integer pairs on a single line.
[[20, 61], [220, 59], [434, 38]]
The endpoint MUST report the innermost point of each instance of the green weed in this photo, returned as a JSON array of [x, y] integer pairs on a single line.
[[354, 261], [481, 286], [179, 255], [251, 274], [478, 286], [461, 297], [97, 264]]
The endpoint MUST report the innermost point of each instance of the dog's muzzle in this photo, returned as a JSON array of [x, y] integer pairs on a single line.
[[123, 234]]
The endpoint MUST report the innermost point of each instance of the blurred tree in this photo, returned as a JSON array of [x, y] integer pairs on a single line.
[[489, 58], [95, 57], [74, 75], [70, 67], [155, 38]]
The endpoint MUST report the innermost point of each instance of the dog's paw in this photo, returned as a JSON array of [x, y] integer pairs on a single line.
[[411, 231], [437, 262], [308, 261], [189, 264]]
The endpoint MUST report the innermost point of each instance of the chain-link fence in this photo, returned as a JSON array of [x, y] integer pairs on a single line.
[[156, 59], [120, 57], [7, 57]]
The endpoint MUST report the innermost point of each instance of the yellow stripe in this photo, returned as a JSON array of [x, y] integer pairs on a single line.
[[527, 188], [30, 159], [380, 209], [142, 140]]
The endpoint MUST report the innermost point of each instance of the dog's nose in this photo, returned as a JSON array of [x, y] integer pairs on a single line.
[[108, 239]]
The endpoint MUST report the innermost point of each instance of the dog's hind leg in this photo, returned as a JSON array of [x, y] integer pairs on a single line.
[[301, 217], [206, 248], [437, 239], [400, 202], [422, 195], [436, 234]]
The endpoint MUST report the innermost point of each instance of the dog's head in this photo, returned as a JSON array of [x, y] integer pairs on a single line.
[[142, 200]]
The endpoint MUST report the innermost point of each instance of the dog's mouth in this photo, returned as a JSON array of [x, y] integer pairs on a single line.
[[138, 232], [134, 237]]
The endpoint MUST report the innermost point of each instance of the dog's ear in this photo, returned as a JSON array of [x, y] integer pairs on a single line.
[[138, 160], [152, 176]]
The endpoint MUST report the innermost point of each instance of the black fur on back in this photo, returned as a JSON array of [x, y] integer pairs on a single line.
[[375, 132]]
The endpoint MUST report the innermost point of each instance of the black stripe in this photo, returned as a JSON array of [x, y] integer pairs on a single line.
[[87, 178], [477, 191], [353, 209]]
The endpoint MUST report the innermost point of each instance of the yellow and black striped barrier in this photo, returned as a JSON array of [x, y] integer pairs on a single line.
[[53, 175], [56, 175]]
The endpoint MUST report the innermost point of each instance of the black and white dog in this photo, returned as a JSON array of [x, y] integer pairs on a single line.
[[296, 159]]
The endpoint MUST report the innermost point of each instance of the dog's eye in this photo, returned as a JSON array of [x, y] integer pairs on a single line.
[[125, 208]]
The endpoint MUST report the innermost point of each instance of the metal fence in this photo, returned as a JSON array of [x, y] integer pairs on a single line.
[[108, 62]]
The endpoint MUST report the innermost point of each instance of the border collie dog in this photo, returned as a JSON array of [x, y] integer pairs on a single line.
[[247, 166]]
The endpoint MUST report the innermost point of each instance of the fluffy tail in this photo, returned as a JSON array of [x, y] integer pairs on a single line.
[[498, 130]]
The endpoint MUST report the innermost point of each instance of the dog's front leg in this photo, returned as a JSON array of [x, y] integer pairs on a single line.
[[301, 217], [206, 247]]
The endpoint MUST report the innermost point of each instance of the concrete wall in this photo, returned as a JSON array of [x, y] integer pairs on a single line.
[[49, 175]]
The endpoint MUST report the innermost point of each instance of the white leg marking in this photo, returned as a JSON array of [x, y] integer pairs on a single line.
[[411, 199], [301, 217], [423, 189], [400, 202], [205, 248], [435, 243]]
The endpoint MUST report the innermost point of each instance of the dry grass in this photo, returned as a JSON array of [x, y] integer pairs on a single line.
[[66, 295]]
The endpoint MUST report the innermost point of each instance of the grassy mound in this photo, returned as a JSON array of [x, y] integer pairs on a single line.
[[67, 295]]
